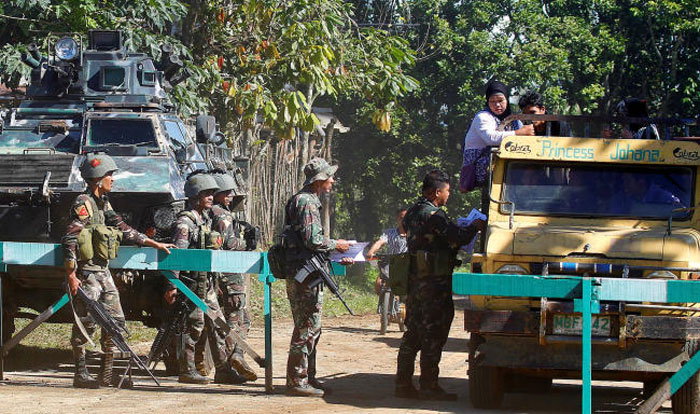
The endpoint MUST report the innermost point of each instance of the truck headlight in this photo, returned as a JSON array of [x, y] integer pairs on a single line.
[[66, 48], [512, 269], [661, 274]]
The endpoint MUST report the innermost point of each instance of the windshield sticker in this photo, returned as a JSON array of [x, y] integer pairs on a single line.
[[686, 155], [553, 150], [623, 154], [511, 146]]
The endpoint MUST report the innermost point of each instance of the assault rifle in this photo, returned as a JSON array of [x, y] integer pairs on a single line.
[[173, 324], [317, 265], [112, 328]]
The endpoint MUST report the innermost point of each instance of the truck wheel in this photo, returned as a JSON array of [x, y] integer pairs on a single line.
[[649, 387], [687, 399], [526, 384], [8, 325], [485, 386], [384, 312]]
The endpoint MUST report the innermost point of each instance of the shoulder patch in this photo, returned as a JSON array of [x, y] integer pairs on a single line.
[[82, 212], [82, 208]]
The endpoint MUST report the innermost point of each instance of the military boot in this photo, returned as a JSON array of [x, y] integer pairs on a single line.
[[405, 390], [239, 363], [82, 378], [305, 390], [201, 368], [227, 375], [193, 377], [436, 393]]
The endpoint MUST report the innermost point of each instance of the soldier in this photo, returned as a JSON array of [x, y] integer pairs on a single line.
[[433, 241], [237, 235], [89, 210], [303, 235], [193, 231]]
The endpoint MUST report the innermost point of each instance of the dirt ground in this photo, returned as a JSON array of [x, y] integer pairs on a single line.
[[353, 359]]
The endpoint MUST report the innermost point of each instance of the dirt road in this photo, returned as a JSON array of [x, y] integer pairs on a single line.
[[353, 359]]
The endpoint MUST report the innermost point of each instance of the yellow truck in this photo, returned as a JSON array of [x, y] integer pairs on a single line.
[[597, 207]]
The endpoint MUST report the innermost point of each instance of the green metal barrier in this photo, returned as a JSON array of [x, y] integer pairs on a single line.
[[146, 258], [587, 293]]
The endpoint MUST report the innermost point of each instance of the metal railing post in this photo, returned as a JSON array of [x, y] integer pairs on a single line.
[[586, 368], [2, 328], [267, 278]]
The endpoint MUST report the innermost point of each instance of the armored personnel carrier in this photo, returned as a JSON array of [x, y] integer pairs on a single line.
[[97, 97]]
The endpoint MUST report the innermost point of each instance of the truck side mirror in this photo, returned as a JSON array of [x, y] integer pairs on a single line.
[[206, 128]]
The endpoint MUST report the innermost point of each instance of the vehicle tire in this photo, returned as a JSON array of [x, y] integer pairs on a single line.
[[687, 399], [384, 311], [8, 325], [526, 384], [649, 387], [485, 386]]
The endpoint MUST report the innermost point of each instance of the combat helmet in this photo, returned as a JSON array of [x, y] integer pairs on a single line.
[[196, 183], [224, 182], [97, 166]]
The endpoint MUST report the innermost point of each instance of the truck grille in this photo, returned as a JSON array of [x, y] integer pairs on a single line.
[[29, 170]]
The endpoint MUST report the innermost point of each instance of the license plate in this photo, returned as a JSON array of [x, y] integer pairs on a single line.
[[573, 324]]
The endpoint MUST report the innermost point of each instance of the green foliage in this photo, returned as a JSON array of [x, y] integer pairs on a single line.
[[272, 59], [583, 56]]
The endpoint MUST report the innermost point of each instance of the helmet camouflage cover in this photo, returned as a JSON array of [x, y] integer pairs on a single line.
[[97, 166]]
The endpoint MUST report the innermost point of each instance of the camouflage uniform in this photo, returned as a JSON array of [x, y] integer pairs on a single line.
[[232, 285], [304, 218], [429, 306], [188, 235], [94, 274]]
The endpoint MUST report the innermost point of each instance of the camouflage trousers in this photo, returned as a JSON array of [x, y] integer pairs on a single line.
[[234, 301], [306, 307], [197, 326], [99, 286], [429, 314]]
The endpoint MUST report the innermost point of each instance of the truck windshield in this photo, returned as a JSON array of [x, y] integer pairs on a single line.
[[605, 190], [116, 131]]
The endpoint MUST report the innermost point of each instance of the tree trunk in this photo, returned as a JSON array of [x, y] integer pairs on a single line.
[[326, 201]]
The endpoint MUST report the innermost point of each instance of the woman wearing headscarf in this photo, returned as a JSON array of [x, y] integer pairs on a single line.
[[483, 134]]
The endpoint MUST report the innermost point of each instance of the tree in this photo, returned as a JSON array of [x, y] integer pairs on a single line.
[[258, 65], [583, 56]]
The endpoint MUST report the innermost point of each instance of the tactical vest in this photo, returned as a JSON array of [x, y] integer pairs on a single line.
[[203, 238], [97, 242]]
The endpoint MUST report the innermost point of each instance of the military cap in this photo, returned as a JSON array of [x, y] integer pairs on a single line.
[[197, 183], [318, 169], [97, 166]]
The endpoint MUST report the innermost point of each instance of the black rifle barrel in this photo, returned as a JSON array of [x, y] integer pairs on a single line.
[[105, 320], [318, 262]]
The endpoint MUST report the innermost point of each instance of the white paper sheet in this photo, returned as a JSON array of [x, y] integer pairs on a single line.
[[356, 251], [465, 222]]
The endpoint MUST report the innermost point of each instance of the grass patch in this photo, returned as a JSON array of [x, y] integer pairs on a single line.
[[57, 335], [357, 288]]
